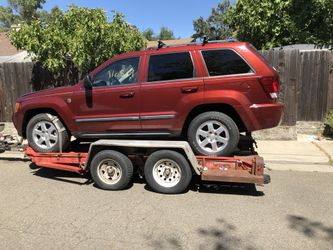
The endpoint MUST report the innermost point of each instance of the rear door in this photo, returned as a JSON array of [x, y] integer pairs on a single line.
[[227, 76], [172, 87]]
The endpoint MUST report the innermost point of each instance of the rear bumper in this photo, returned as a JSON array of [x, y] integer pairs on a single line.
[[265, 116]]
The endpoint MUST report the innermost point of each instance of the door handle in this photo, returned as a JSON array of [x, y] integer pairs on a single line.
[[187, 90], [127, 94]]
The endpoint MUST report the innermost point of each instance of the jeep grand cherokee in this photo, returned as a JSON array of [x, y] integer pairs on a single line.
[[205, 93]]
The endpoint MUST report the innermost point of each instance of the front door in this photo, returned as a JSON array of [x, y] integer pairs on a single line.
[[111, 106]]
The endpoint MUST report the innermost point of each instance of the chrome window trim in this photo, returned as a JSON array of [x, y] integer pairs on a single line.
[[121, 85], [233, 75], [175, 80], [195, 72], [203, 59]]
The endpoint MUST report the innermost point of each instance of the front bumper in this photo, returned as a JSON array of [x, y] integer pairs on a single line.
[[18, 122]]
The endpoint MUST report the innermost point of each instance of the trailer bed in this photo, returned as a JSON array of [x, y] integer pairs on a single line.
[[236, 169]]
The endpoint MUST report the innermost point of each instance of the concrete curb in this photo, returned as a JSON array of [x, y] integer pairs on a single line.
[[13, 155]]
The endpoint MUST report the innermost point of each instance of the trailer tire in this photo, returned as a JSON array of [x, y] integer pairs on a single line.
[[111, 170], [167, 172]]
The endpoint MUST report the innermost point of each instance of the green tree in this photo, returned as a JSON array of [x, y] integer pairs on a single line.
[[272, 23], [312, 21], [149, 34], [45, 16], [80, 35], [215, 26], [165, 34], [19, 11]]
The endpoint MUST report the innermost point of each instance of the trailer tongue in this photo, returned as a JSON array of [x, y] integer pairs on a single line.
[[168, 166]]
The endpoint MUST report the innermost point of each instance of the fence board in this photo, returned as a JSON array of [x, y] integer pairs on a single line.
[[329, 103]]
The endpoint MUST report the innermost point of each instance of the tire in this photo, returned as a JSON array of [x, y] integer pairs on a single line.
[[44, 133], [178, 176], [217, 132], [111, 170]]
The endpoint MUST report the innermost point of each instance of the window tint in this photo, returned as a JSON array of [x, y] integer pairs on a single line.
[[224, 62], [120, 72], [170, 67]]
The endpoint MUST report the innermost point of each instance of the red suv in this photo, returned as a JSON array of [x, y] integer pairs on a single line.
[[205, 93]]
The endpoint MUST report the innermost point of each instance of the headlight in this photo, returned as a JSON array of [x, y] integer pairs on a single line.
[[17, 106]]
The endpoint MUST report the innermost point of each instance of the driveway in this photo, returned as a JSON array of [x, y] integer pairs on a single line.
[[50, 209]]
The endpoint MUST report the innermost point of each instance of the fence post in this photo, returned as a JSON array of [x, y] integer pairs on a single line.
[[329, 104]]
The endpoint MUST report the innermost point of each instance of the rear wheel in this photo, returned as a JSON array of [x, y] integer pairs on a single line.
[[46, 133], [167, 172], [213, 134]]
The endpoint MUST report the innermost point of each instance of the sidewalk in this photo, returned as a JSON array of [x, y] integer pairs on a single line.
[[297, 155]]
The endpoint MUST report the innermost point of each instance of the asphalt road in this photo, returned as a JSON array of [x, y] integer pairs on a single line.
[[49, 209]]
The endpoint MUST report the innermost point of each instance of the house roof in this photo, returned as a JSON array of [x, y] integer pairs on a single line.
[[170, 42], [6, 48]]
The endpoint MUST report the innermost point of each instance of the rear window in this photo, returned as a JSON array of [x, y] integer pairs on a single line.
[[225, 62], [170, 67]]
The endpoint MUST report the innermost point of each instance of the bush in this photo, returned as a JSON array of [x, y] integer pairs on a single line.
[[329, 119]]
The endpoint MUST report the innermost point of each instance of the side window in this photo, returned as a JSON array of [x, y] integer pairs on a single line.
[[120, 72], [170, 67], [224, 62]]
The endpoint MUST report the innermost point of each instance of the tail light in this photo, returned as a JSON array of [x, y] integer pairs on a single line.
[[271, 86]]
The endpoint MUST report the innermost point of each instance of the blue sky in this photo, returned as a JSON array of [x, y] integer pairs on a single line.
[[177, 15]]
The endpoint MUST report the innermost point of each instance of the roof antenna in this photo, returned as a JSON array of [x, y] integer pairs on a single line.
[[204, 40], [160, 44]]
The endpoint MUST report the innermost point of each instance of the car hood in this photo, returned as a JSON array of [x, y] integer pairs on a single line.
[[47, 92]]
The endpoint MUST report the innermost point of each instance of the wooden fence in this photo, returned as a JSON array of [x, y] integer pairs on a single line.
[[17, 79], [306, 83]]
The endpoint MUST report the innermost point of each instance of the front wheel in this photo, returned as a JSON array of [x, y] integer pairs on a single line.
[[213, 134], [46, 133]]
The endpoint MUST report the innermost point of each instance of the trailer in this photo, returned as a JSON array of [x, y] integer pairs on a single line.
[[168, 166]]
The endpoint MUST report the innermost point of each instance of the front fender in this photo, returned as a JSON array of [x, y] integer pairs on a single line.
[[58, 104]]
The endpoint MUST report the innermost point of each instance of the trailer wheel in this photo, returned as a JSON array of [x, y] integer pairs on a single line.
[[111, 170], [167, 172]]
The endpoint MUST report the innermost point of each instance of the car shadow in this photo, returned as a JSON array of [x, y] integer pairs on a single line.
[[243, 189], [59, 175], [196, 184], [72, 177]]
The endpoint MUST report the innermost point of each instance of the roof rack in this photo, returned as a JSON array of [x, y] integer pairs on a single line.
[[163, 45]]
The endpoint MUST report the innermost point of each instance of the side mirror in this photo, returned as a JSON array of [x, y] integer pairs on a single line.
[[87, 82]]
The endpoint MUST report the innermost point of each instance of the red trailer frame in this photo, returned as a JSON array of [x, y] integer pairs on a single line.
[[236, 169]]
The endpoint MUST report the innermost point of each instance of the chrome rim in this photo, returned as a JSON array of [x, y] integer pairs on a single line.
[[45, 134], [109, 171], [167, 173], [212, 136]]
